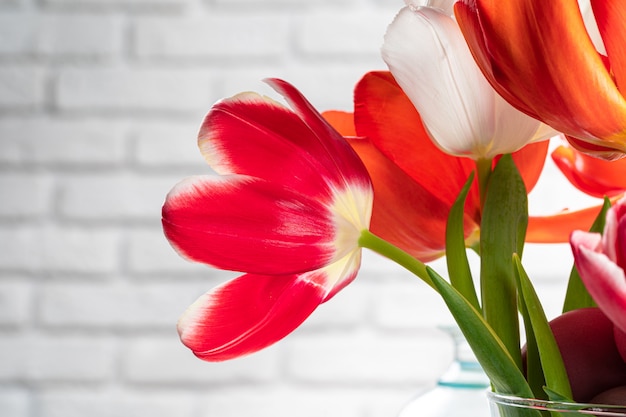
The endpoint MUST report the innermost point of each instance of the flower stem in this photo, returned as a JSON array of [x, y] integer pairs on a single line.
[[382, 247], [483, 169]]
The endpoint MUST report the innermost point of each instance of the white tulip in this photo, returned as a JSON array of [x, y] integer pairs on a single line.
[[429, 58]]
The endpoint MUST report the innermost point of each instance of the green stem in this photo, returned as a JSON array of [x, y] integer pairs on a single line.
[[483, 169], [382, 247]]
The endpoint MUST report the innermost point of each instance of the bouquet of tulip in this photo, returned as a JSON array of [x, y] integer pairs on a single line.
[[437, 158]]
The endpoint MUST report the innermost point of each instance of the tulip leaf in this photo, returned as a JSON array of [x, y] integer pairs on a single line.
[[503, 230], [554, 371], [577, 295], [503, 372], [555, 396], [456, 254], [534, 372]]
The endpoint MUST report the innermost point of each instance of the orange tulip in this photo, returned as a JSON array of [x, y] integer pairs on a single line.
[[590, 175], [539, 56]]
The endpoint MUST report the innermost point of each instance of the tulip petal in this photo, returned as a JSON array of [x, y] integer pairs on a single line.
[[593, 176], [253, 135], [385, 115], [428, 58], [591, 25], [341, 121], [247, 224], [539, 57], [405, 213], [252, 311], [345, 168], [341, 273], [249, 313], [614, 237], [589, 351], [446, 6], [604, 279], [610, 18], [558, 227], [426, 53], [595, 150]]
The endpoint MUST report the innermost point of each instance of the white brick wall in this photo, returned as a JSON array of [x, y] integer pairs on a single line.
[[100, 102]]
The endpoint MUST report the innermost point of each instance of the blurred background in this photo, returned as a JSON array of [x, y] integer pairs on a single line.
[[100, 103]]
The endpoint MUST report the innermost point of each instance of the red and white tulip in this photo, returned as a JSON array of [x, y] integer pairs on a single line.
[[287, 209]]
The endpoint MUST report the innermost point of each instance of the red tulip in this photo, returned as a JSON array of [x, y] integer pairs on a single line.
[[415, 183], [288, 208], [601, 259], [539, 56]]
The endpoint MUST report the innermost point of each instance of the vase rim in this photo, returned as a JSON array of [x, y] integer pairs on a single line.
[[558, 406]]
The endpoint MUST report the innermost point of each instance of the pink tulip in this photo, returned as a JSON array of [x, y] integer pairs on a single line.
[[601, 260], [288, 208]]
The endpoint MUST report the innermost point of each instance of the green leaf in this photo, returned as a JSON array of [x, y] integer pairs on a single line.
[[549, 353], [577, 295], [456, 254], [492, 355], [556, 396], [502, 233], [533, 372]]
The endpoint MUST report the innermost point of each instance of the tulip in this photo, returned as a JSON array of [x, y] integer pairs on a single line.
[[541, 58], [415, 182], [601, 259], [592, 176], [446, 6], [586, 339], [287, 208], [429, 58]]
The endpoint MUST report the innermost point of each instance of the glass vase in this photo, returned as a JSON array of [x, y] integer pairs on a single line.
[[462, 387], [511, 406]]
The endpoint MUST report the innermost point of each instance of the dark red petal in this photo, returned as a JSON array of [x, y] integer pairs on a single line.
[[620, 341], [585, 338]]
